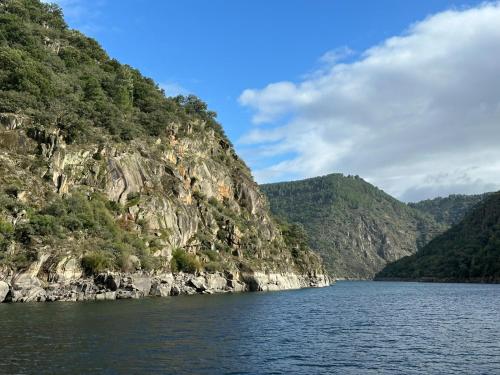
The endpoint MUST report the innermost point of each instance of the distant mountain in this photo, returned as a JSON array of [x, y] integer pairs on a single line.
[[356, 227], [449, 210], [469, 251]]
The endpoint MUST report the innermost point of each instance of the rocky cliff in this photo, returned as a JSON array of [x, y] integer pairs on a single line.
[[109, 189], [356, 227]]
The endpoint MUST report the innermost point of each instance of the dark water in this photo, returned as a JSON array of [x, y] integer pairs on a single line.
[[350, 328]]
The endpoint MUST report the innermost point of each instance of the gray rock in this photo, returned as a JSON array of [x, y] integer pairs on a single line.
[[4, 290], [27, 288], [113, 282], [161, 290], [105, 296], [128, 294], [108, 281], [25, 281], [141, 283], [34, 294], [175, 291], [198, 283], [216, 282]]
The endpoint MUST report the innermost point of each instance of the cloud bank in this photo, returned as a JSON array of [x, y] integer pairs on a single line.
[[417, 115]]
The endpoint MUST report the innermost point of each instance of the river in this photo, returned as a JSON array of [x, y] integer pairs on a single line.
[[353, 327]]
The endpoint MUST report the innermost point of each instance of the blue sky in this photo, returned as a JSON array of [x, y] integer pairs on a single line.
[[218, 49]]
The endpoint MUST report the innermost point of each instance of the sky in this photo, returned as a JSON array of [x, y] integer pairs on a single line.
[[405, 94]]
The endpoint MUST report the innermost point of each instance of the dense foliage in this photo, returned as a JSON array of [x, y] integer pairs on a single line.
[[76, 218], [185, 262], [343, 214], [61, 78], [469, 251], [449, 210]]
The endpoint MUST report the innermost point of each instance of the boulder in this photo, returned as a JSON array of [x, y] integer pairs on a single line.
[[216, 282], [198, 283], [27, 288], [4, 290], [127, 294], [105, 296], [113, 282], [142, 283], [175, 290], [161, 290], [68, 269], [108, 281]]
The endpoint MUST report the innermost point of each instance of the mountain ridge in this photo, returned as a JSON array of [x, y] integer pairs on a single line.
[[468, 252], [355, 226]]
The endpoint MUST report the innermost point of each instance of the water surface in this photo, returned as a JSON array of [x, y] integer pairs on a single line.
[[349, 328]]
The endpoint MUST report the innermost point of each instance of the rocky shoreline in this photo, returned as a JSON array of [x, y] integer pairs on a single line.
[[110, 286]]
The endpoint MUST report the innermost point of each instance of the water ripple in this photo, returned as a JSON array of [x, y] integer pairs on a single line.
[[350, 328]]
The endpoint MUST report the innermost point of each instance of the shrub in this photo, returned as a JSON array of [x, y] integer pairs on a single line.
[[214, 267], [96, 262], [6, 232], [133, 199], [184, 262]]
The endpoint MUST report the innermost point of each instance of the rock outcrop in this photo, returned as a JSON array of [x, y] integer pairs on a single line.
[[111, 286], [102, 174]]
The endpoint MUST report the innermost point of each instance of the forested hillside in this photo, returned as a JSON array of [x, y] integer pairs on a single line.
[[356, 227], [449, 210], [469, 251]]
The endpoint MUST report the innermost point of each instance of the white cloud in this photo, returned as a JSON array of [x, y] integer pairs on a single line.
[[174, 89], [417, 115]]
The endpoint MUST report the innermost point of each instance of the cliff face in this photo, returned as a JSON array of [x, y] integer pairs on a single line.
[[356, 227], [150, 199], [468, 252]]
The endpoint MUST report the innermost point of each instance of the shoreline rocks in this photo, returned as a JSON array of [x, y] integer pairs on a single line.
[[112, 286]]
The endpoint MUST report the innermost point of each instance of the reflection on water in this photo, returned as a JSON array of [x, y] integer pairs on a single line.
[[350, 328]]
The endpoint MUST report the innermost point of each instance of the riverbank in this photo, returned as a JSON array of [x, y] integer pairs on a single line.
[[26, 287]]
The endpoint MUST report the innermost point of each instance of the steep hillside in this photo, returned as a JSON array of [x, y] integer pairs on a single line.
[[108, 188], [469, 251], [449, 210], [356, 227]]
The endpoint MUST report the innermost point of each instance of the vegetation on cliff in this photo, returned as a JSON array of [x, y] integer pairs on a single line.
[[469, 251], [60, 77], [355, 226], [449, 210], [98, 165]]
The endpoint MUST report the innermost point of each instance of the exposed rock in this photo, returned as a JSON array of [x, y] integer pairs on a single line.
[[175, 290], [113, 282], [216, 282], [4, 290], [68, 269], [142, 283], [105, 296], [259, 281], [161, 290], [128, 294], [198, 283], [126, 204], [27, 288]]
